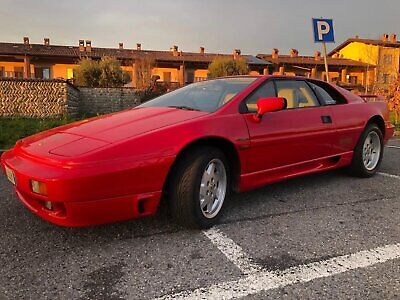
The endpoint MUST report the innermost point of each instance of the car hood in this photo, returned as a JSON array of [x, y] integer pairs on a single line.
[[88, 135]]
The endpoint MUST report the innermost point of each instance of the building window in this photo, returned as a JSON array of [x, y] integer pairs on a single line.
[[70, 73], [387, 59], [42, 72], [2, 72], [386, 78], [190, 77], [353, 80], [19, 72], [46, 73], [167, 77]]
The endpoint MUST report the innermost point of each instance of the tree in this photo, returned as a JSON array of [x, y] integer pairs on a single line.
[[104, 73], [223, 66], [143, 73], [393, 97]]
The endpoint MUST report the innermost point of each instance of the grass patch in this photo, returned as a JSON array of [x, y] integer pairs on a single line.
[[393, 121], [13, 129]]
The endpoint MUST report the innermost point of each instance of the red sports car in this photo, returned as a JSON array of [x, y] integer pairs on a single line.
[[193, 146]]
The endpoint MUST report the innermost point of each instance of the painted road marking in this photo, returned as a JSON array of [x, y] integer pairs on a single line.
[[389, 175], [396, 147], [263, 281], [232, 251]]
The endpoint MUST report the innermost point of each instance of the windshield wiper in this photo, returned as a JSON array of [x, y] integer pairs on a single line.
[[183, 107]]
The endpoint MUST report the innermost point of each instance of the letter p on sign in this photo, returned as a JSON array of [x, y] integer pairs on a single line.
[[323, 31]]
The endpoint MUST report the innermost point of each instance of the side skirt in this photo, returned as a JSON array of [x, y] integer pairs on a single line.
[[253, 180]]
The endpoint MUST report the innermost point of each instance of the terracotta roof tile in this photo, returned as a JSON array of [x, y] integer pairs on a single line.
[[310, 60], [365, 41], [73, 52]]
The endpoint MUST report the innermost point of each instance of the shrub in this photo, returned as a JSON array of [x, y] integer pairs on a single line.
[[104, 73], [392, 96], [223, 66], [87, 73]]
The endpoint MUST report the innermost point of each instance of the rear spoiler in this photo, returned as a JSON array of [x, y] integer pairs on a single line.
[[373, 98]]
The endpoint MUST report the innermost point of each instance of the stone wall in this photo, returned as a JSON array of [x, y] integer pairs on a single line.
[[37, 98], [107, 100]]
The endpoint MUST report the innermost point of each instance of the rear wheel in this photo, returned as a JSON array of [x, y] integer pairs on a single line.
[[368, 152], [198, 187]]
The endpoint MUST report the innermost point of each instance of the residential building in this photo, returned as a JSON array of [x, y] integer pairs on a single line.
[[383, 54], [348, 73], [173, 67]]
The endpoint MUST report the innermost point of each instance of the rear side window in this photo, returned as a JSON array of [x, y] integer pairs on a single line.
[[297, 93], [326, 94]]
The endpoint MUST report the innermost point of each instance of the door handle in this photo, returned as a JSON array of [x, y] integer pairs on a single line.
[[326, 119]]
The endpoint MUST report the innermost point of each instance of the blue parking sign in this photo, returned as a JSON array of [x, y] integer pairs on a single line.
[[323, 31]]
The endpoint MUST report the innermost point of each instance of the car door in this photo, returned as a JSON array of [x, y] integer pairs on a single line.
[[300, 133], [347, 122]]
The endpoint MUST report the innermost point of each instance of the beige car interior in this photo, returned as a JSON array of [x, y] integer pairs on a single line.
[[296, 98], [228, 97]]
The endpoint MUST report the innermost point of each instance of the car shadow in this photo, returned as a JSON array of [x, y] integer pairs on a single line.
[[18, 220]]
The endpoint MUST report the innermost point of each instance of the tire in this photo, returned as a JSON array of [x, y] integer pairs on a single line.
[[185, 187], [360, 167]]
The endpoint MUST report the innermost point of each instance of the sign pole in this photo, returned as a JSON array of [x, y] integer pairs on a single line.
[[326, 62], [323, 33]]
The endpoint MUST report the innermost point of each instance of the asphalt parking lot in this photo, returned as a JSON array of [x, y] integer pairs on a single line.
[[320, 236]]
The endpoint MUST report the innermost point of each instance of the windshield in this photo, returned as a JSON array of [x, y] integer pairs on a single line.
[[204, 96]]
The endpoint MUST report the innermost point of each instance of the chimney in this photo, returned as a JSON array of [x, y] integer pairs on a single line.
[[26, 40], [275, 53], [121, 46], [294, 53], [236, 53], [385, 37], [393, 38], [201, 50], [138, 46], [81, 45], [88, 46], [174, 50], [317, 55], [46, 41]]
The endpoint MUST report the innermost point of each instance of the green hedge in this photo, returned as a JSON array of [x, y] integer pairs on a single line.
[[13, 129]]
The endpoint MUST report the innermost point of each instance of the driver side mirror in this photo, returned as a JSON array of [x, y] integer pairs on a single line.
[[270, 104]]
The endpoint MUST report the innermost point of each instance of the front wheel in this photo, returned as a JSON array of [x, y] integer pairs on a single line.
[[198, 187], [368, 152]]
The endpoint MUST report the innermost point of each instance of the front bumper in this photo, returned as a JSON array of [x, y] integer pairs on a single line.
[[78, 214], [90, 196]]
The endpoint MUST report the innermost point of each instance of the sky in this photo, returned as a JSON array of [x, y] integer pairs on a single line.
[[254, 26]]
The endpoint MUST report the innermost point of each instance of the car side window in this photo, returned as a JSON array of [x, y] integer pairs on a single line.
[[322, 94], [264, 91], [297, 93]]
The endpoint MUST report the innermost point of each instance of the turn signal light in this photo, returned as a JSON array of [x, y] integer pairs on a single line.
[[39, 187]]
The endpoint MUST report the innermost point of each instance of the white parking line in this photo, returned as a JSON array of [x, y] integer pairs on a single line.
[[263, 281], [389, 175], [232, 251], [396, 147]]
